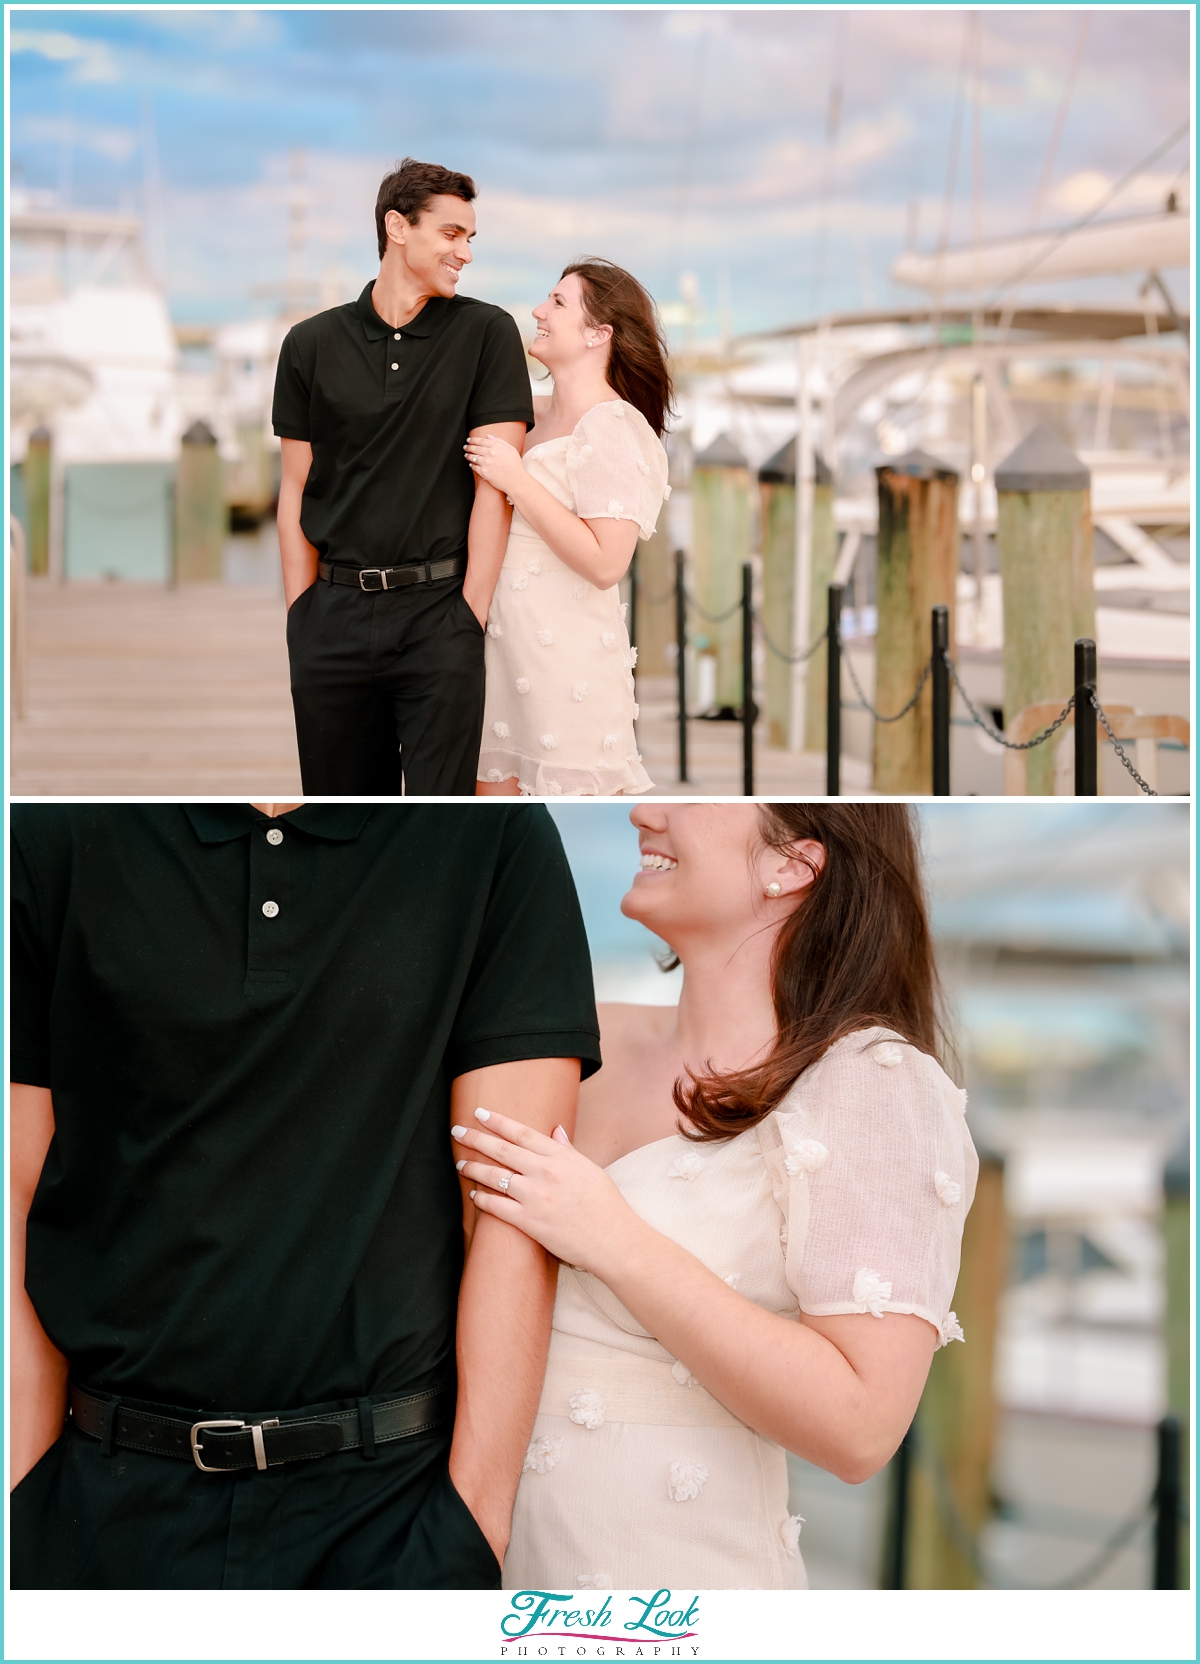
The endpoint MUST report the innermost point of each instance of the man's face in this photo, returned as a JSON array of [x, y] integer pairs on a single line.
[[436, 249]]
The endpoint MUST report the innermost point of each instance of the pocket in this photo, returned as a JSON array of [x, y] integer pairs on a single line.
[[471, 1526], [43, 1462], [296, 603], [466, 607]]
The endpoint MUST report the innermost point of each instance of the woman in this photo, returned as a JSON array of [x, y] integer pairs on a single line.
[[560, 709], [760, 1218]]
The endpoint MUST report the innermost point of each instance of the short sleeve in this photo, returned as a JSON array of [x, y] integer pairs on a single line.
[[528, 991], [290, 407], [617, 467], [501, 390], [875, 1170], [31, 979]]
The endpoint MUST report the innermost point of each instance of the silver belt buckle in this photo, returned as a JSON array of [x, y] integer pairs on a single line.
[[374, 572], [256, 1438]]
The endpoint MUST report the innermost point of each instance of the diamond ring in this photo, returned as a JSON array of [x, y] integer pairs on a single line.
[[503, 1184]]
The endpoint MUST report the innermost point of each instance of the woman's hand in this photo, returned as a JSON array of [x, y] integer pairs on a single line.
[[495, 461], [555, 1195]]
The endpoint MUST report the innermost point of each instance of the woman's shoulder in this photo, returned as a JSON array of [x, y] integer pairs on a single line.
[[878, 1063]]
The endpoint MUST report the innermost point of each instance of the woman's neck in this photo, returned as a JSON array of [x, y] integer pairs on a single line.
[[726, 1013], [578, 388]]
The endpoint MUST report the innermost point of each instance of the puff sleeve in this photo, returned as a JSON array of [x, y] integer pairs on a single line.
[[617, 467], [874, 1169]]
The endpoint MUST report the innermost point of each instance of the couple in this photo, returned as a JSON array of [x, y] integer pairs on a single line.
[[415, 509], [263, 1336]]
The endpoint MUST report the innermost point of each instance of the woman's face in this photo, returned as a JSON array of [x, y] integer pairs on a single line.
[[564, 335], [704, 870]]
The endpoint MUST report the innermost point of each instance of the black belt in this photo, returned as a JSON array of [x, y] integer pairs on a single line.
[[392, 577], [223, 1445]]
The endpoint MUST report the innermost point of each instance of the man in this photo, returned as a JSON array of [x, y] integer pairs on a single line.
[[240, 1037], [390, 547]]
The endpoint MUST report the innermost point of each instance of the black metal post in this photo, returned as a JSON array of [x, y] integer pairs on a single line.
[[1085, 717], [681, 663], [1166, 1504], [633, 589], [896, 1548], [940, 676], [749, 709], [833, 693]]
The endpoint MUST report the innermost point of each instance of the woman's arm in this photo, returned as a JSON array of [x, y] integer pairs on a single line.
[[599, 550], [838, 1391], [487, 534]]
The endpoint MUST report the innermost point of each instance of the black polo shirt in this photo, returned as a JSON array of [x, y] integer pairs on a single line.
[[387, 412], [250, 1027]]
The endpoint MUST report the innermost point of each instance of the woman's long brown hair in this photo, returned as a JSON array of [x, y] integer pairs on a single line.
[[637, 363], [856, 953]]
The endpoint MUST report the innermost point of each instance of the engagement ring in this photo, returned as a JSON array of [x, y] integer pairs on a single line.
[[502, 1184]]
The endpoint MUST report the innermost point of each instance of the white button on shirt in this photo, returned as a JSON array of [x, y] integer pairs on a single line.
[[274, 836], [270, 909]]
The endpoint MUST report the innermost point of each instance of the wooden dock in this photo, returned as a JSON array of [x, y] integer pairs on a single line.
[[141, 690]]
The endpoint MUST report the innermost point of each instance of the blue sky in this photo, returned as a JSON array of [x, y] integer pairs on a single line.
[[671, 140]]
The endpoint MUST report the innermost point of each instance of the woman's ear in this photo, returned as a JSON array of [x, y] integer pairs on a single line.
[[599, 335], [795, 872]]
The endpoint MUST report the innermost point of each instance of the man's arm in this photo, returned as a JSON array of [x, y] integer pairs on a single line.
[[38, 1378], [296, 554], [506, 1302], [487, 535]]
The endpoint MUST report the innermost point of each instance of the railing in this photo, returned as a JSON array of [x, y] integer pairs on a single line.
[[940, 668]]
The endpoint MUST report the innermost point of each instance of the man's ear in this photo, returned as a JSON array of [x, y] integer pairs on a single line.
[[396, 226]]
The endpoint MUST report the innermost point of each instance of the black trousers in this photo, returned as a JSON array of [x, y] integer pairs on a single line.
[[386, 685], [80, 1520]]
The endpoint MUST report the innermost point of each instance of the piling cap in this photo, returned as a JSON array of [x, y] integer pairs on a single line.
[[780, 469], [41, 435], [1043, 462], [722, 453], [199, 434], [919, 465]]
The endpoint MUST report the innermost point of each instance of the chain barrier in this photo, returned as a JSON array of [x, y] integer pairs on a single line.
[[789, 658], [1116, 745], [654, 600], [917, 692], [712, 617], [994, 733]]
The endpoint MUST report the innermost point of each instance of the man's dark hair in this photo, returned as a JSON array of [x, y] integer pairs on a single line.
[[409, 188]]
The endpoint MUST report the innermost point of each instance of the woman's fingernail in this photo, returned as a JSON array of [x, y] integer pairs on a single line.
[[471, 1194], [459, 1165], [560, 1134], [457, 1132], [484, 1114]]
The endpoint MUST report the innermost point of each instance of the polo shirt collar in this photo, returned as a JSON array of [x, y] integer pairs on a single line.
[[375, 328], [220, 823]]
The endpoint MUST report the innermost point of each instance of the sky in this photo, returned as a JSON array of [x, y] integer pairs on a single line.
[[782, 157]]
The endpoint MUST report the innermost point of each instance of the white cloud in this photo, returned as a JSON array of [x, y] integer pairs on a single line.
[[93, 57], [115, 144]]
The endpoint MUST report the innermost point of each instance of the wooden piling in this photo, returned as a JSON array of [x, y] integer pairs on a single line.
[[200, 515], [957, 1418], [37, 500], [720, 546], [1045, 542], [777, 490], [917, 570]]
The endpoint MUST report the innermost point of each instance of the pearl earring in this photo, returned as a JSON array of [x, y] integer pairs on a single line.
[[773, 890]]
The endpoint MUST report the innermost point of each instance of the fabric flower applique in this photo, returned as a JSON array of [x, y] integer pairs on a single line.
[[950, 1330], [733, 1279], [888, 1054], [594, 1580], [616, 508], [579, 692], [587, 1408], [637, 711], [623, 609], [804, 1155], [610, 742], [617, 408], [494, 630], [549, 742], [542, 1455], [534, 568], [789, 1532], [546, 637], [645, 467], [683, 1375], [553, 787], [522, 684], [686, 1166], [629, 659], [585, 450], [948, 1192], [686, 1480], [607, 638], [870, 1291], [500, 729], [962, 1100], [495, 776], [579, 590], [519, 582]]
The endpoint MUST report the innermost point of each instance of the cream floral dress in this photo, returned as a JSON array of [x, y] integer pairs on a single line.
[[559, 709], [850, 1197]]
